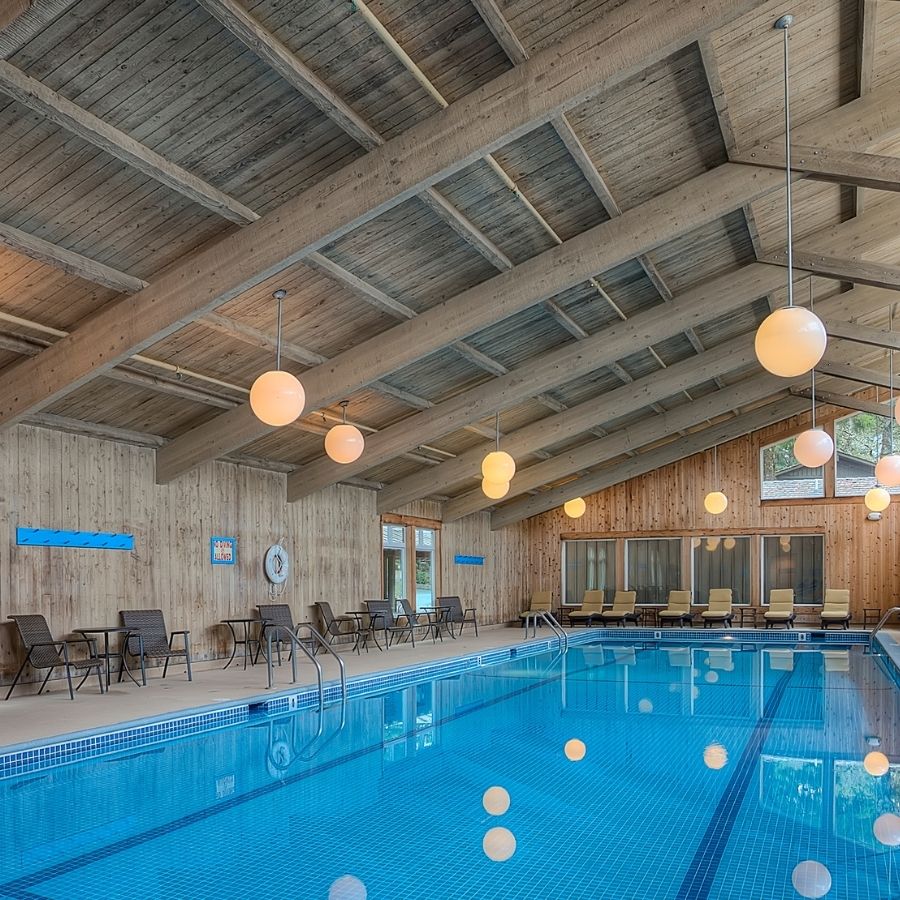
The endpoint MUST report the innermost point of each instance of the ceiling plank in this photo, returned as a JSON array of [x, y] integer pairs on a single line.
[[647, 461], [68, 261], [68, 115], [826, 164], [615, 404], [552, 369], [11, 10]]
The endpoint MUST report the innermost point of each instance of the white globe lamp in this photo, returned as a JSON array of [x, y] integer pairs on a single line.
[[277, 398], [344, 443], [715, 503], [887, 470], [813, 448], [575, 508], [498, 466], [877, 499], [494, 490], [790, 341]]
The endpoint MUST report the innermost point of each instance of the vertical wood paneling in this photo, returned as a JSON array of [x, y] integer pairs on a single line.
[[57, 480], [859, 554]]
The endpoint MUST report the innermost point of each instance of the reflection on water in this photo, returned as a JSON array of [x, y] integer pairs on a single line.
[[765, 745]]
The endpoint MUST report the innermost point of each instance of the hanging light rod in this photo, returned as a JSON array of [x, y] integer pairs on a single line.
[[791, 340]]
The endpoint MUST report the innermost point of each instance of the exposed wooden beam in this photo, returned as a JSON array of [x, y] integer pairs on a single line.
[[11, 10], [68, 261], [615, 404], [716, 297], [68, 115], [496, 22], [851, 372], [866, 39], [648, 461], [845, 401], [862, 334], [823, 164], [857, 271]]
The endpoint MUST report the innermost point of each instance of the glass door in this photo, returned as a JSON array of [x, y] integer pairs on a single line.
[[393, 560], [425, 567]]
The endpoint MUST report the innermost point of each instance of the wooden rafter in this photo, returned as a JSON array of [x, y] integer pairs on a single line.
[[844, 400], [862, 334], [857, 271]]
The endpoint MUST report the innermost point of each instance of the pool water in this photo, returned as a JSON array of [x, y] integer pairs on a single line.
[[631, 771]]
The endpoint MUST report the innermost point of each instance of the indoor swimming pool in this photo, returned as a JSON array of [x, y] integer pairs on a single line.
[[622, 771]]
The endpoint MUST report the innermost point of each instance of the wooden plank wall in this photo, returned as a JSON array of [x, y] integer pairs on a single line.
[[56, 480], [859, 554]]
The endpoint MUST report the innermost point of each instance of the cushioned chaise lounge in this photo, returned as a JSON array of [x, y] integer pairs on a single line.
[[781, 608], [718, 610], [678, 610], [836, 609], [591, 609], [540, 602], [622, 610]]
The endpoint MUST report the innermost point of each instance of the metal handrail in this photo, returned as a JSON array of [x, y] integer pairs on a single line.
[[881, 623], [547, 617], [295, 643], [320, 638]]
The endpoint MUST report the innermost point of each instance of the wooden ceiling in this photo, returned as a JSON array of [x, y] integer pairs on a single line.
[[550, 209]]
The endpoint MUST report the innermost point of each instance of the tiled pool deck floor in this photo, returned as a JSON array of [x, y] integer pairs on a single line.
[[27, 717]]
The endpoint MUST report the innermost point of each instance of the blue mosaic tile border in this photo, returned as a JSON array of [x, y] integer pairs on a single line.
[[36, 757], [75, 748]]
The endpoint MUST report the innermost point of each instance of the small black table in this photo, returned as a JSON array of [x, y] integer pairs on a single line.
[[127, 633], [247, 640]]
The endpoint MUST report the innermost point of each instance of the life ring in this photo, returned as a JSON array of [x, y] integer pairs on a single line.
[[276, 564]]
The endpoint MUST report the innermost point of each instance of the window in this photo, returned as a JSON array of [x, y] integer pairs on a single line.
[[393, 559], [783, 478], [794, 561], [588, 566], [859, 441], [721, 562], [653, 568], [413, 575]]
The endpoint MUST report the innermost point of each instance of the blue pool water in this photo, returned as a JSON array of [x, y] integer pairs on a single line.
[[707, 773]]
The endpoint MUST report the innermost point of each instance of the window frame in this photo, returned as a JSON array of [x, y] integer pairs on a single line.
[[410, 524], [652, 537], [762, 475], [564, 566], [763, 594], [722, 537]]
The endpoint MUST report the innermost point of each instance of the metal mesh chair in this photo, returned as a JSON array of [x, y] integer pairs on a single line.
[[456, 615], [338, 626], [278, 620], [420, 620], [151, 625], [46, 653], [381, 618]]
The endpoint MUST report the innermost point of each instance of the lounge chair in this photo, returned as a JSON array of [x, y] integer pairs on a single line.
[[46, 653], [381, 618], [624, 656], [836, 609], [723, 660], [718, 609], [540, 603], [781, 608], [590, 609], [157, 642], [337, 627], [678, 610], [456, 615], [680, 657], [622, 610]]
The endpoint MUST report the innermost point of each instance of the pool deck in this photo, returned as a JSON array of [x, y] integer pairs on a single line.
[[26, 717]]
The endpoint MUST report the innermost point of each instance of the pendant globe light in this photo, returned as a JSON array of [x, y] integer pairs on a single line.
[[715, 502], [791, 340], [877, 499], [498, 468], [344, 443], [813, 447], [574, 508], [277, 397]]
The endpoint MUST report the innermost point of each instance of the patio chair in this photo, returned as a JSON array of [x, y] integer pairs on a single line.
[[781, 608], [836, 609], [456, 615], [719, 608], [622, 610], [337, 627], [157, 642], [591, 608], [540, 602], [45, 653], [381, 618], [420, 620], [278, 620], [678, 609]]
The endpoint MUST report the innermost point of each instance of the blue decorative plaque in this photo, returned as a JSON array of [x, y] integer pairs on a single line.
[[223, 551], [461, 560], [50, 537]]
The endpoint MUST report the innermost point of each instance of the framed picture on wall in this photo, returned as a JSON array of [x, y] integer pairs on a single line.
[[223, 551]]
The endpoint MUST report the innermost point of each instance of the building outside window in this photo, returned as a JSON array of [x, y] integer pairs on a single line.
[[783, 478], [860, 440]]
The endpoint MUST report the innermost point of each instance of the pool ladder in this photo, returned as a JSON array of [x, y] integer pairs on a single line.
[[280, 634], [881, 622], [558, 630]]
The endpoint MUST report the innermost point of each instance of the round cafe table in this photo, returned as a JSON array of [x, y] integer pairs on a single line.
[[106, 631]]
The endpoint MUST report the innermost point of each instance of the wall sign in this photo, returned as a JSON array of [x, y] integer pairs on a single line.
[[223, 551], [95, 540], [461, 560]]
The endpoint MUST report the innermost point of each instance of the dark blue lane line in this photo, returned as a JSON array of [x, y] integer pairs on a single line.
[[701, 872], [18, 887]]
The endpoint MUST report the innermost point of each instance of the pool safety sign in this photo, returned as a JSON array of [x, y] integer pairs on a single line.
[[223, 551]]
